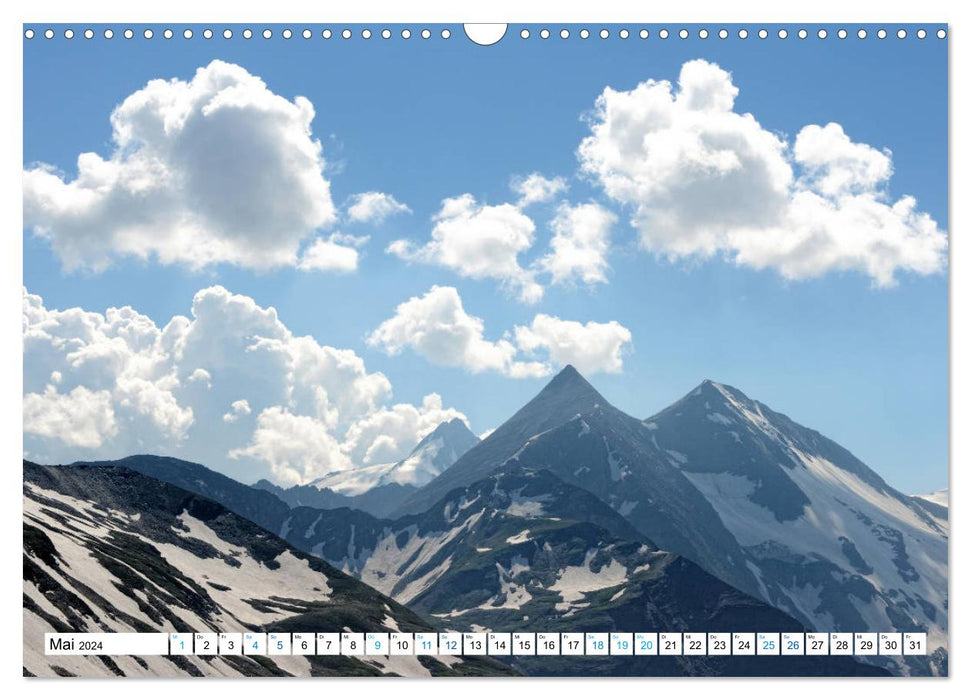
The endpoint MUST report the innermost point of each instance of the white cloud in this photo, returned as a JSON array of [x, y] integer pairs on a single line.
[[590, 347], [481, 241], [113, 375], [201, 375], [298, 448], [216, 169], [153, 398], [535, 188], [835, 166], [80, 418], [329, 254], [384, 435], [347, 239], [703, 179], [478, 241], [581, 238], [125, 385], [437, 327], [237, 409], [374, 207]]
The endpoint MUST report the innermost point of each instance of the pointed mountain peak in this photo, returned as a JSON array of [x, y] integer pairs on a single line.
[[452, 431], [456, 426], [569, 373], [744, 422], [712, 385], [571, 387], [719, 403], [566, 396], [710, 389]]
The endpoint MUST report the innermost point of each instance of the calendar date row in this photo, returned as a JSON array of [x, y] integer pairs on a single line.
[[491, 643]]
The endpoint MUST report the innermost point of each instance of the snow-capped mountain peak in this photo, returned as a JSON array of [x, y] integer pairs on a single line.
[[353, 482], [435, 453]]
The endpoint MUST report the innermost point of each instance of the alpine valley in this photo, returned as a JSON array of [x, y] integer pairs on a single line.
[[716, 514]]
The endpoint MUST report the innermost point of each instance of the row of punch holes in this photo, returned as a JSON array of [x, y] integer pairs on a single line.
[[446, 33]]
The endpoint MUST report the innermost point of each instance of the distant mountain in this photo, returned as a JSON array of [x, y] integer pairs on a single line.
[[772, 508], [380, 488], [936, 504], [378, 501], [107, 549], [436, 452], [939, 498]]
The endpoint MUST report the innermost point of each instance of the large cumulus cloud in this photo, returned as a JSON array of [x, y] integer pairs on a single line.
[[701, 178], [214, 169], [229, 385]]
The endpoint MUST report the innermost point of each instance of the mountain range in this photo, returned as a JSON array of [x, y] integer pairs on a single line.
[[773, 508], [573, 515], [520, 551]]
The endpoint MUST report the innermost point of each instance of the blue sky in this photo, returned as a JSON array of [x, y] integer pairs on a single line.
[[428, 120]]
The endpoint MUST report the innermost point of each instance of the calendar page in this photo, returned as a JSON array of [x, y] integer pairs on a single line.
[[429, 350]]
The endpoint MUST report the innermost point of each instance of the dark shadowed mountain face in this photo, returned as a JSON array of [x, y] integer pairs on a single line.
[[610, 454], [408, 555], [109, 550], [773, 508], [567, 395], [382, 488], [257, 505]]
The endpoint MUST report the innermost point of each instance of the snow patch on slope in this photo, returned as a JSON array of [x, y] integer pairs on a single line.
[[574, 582], [519, 538], [353, 482], [903, 551]]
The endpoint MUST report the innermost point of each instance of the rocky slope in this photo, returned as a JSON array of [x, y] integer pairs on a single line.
[[108, 549]]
